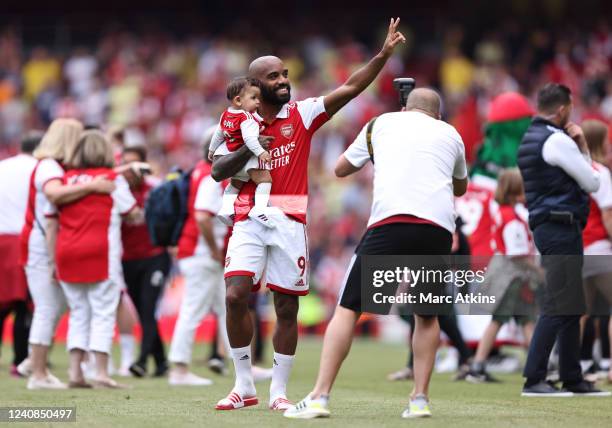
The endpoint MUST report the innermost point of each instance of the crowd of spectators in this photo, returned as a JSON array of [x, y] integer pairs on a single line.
[[166, 91]]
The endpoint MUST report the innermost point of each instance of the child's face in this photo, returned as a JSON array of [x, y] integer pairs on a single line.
[[249, 100]]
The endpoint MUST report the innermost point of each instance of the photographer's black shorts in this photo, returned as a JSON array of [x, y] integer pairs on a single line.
[[393, 239]]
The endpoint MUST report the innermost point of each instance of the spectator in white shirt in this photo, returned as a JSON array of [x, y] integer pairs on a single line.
[[14, 181], [419, 167]]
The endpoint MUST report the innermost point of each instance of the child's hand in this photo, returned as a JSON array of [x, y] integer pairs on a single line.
[[265, 157], [210, 155]]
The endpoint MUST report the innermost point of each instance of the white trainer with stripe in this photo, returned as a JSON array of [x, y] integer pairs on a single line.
[[308, 409]]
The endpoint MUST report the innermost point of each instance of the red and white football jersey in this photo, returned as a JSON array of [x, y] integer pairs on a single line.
[[292, 130], [33, 243], [512, 236], [476, 208], [236, 125], [205, 194], [600, 200], [88, 245]]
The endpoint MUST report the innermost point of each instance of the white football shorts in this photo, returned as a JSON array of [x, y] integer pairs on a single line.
[[281, 252]]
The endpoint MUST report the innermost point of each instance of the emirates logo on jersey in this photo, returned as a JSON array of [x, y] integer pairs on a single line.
[[287, 130]]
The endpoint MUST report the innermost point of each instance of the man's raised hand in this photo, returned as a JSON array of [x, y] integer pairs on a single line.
[[393, 38], [575, 132], [363, 76]]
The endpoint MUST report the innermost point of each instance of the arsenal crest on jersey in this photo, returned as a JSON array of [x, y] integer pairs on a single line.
[[287, 130]]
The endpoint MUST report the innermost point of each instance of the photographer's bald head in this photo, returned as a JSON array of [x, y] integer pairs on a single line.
[[424, 100]]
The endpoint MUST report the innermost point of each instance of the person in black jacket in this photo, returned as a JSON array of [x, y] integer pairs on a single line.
[[556, 168]]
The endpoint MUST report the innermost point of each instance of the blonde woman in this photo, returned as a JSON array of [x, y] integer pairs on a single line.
[[597, 270], [88, 257], [45, 187]]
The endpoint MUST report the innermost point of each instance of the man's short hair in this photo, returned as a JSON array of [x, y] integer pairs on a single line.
[[552, 96], [30, 141], [140, 151], [239, 84]]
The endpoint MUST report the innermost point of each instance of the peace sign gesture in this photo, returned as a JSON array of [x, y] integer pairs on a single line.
[[393, 37], [361, 78]]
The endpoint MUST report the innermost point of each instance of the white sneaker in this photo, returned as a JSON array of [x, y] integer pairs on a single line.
[[260, 374], [449, 363], [503, 364], [262, 215], [49, 382], [187, 379], [308, 409], [53, 379], [25, 368], [418, 408]]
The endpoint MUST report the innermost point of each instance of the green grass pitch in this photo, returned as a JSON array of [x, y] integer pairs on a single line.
[[362, 397]]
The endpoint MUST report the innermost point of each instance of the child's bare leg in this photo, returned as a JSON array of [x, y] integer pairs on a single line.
[[486, 342]]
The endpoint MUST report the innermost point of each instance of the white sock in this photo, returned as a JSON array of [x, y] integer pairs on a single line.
[[585, 364], [262, 195], [321, 399], [127, 345], [242, 364], [281, 369], [230, 194]]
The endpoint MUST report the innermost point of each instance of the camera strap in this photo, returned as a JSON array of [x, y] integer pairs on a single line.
[[369, 137]]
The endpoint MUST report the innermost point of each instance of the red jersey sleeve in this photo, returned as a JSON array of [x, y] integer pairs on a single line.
[[313, 114]]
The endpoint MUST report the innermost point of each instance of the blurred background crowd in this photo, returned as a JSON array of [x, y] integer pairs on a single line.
[[162, 76]]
